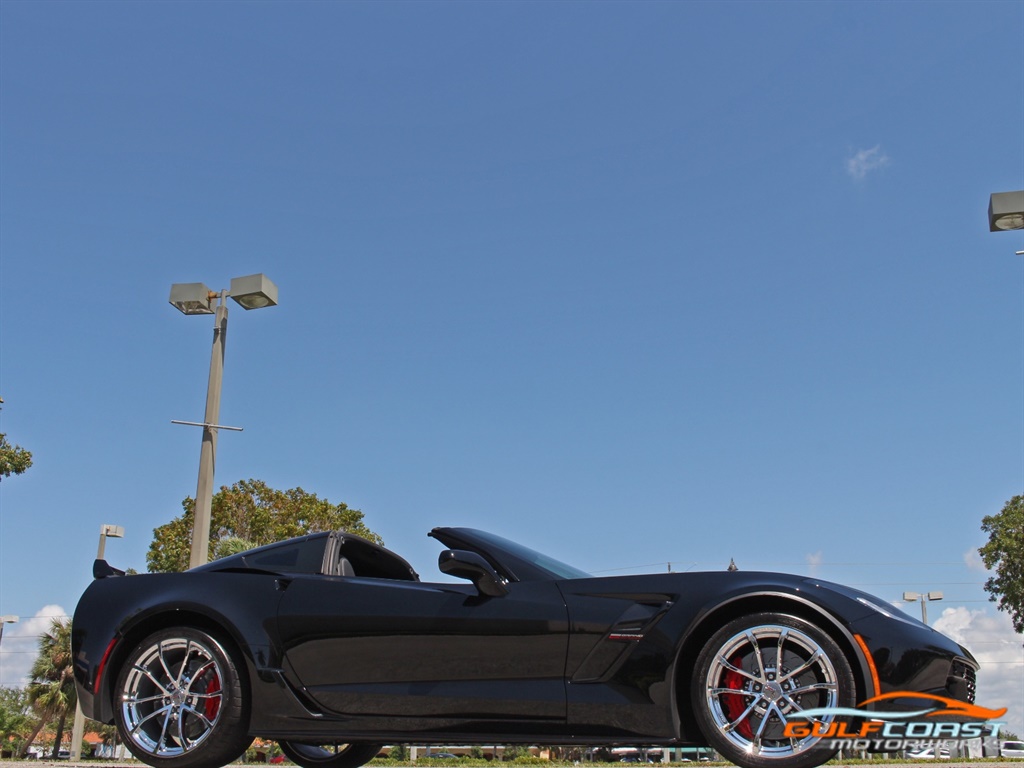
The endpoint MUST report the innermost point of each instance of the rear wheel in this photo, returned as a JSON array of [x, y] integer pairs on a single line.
[[180, 701], [755, 675], [329, 755]]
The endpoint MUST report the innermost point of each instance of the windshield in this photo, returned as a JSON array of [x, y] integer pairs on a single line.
[[556, 568]]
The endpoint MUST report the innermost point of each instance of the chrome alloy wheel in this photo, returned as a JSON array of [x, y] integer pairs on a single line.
[[171, 696], [759, 678]]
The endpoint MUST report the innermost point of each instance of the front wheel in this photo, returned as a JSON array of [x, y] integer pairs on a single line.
[[329, 755], [180, 701], [755, 675]]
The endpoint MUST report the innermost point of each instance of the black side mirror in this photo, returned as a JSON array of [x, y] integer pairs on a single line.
[[470, 565]]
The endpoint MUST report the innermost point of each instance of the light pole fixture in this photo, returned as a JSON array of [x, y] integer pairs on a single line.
[[1006, 211], [78, 730], [913, 597], [108, 531], [251, 292], [6, 619]]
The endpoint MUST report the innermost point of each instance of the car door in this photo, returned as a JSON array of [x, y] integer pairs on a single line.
[[620, 657], [382, 647]]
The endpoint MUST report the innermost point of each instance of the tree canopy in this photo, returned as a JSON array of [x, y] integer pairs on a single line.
[[15, 716], [13, 458], [1004, 554], [250, 514]]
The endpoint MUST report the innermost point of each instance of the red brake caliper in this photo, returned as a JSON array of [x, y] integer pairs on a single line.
[[213, 705], [734, 704]]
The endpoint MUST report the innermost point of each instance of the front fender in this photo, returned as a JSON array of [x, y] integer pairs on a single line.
[[114, 614]]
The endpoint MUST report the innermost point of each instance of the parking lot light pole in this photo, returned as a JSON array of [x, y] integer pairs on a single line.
[[913, 597], [251, 292], [111, 531], [7, 619], [78, 731]]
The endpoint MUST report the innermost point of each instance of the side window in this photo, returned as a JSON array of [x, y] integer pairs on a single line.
[[296, 557], [358, 557]]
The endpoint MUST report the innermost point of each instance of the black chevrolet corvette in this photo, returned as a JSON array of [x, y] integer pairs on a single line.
[[332, 646]]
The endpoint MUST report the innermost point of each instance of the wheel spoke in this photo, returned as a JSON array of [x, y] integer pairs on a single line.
[[783, 635], [145, 671], [184, 663], [815, 657], [778, 711], [759, 733], [182, 740], [149, 717], [822, 686], [752, 639], [199, 673], [146, 699], [727, 692], [163, 662], [733, 668], [729, 727], [161, 744], [196, 713]]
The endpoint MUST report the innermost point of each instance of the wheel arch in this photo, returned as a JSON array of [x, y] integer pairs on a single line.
[[134, 633], [721, 614]]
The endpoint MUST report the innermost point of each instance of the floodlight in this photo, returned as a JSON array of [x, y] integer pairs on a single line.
[[1006, 211], [253, 291], [192, 298]]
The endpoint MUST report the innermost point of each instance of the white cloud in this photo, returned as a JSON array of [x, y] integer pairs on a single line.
[[866, 160], [973, 560], [990, 637], [21, 643], [814, 562]]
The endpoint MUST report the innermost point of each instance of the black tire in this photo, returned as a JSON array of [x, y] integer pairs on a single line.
[[742, 696], [329, 755], [181, 701]]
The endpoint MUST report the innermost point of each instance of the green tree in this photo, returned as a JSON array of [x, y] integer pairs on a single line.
[[106, 732], [51, 691], [1004, 554], [252, 511], [15, 717], [399, 752], [231, 545], [13, 458]]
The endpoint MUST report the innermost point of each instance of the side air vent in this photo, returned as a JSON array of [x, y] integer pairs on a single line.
[[962, 681]]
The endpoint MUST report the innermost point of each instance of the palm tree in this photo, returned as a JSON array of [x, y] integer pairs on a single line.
[[51, 692], [231, 545]]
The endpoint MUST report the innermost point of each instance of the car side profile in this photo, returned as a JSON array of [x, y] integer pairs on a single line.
[[1011, 749], [332, 646]]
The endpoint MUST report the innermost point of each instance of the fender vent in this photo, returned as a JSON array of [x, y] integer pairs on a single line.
[[962, 678]]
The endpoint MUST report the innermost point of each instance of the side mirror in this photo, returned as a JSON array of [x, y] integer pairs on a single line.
[[470, 565]]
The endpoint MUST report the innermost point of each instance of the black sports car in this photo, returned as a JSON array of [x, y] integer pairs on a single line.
[[332, 646]]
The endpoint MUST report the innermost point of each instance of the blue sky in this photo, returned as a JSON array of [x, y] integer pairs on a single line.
[[635, 283]]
